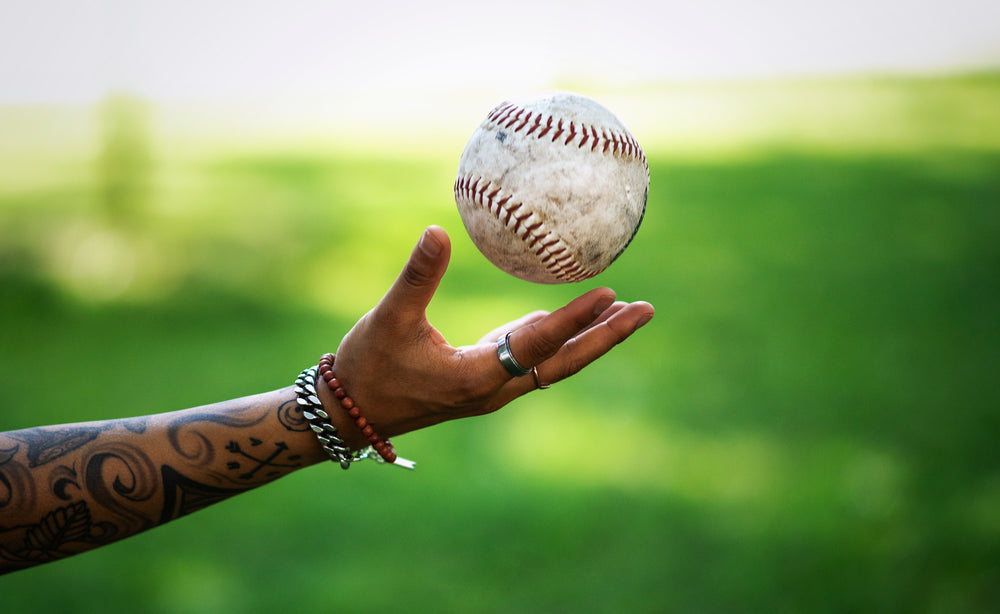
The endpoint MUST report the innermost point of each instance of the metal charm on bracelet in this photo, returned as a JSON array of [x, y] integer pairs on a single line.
[[507, 359]]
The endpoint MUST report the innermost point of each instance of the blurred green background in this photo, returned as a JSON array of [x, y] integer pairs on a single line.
[[808, 425], [199, 198]]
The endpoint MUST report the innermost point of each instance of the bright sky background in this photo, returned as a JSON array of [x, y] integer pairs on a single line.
[[69, 51]]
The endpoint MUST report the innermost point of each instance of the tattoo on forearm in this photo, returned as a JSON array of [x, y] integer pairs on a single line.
[[196, 447], [59, 534], [182, 495], [260, 463], [17, 489], [136, 425], [107, 489], [290, 416], [61, 480], [119, 476], [46, 444]]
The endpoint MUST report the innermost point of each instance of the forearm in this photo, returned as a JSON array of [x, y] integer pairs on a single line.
[[70, 488]]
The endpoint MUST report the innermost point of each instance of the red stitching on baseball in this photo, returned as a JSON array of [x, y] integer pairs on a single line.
[[535, 238], [572, 133], [535, 126], [517, 220], [498, 115], [559, 130], [548, 126], [618, 145], [500, 108], [558, 257], [527, 118], [553, 253], [546, 246], [514, 118]]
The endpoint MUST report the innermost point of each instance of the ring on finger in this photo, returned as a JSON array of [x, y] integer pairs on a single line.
[[538, 382], [507, 359]]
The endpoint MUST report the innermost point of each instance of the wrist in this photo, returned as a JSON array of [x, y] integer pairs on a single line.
[[346, 429], [340, 447]]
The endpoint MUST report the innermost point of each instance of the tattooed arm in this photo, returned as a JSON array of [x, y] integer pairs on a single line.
[[70, 488], [67, 489]]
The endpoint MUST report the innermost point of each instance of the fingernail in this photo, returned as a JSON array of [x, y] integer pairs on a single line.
[[642, 321], [429, 245]]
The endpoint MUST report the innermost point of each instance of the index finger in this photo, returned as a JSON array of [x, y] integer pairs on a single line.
[[538, 341], [581, 350]]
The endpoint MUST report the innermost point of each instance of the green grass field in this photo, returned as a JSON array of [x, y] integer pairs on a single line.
[[810, 423]]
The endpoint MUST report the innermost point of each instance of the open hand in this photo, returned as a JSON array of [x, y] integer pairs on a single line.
[[405, 376]]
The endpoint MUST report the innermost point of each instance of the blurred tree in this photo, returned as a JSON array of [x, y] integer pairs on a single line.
[[125, 161]]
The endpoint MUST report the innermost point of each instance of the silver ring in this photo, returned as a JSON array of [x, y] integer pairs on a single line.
[[507, 359]]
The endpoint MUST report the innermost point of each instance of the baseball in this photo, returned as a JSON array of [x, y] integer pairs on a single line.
[[552, 189]]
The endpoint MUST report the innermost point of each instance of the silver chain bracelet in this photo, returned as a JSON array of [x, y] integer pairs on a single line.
[[319, 420], [326, 433]]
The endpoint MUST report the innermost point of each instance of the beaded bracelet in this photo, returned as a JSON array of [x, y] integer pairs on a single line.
[[383, 447], [319, 420]]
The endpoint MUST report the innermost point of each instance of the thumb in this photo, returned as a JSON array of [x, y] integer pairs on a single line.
[[413, 289]]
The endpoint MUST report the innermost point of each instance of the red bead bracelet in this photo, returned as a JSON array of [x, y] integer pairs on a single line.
[[382, 446]]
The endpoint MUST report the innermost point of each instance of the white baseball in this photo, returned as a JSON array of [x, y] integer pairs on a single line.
[[552, 189]]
